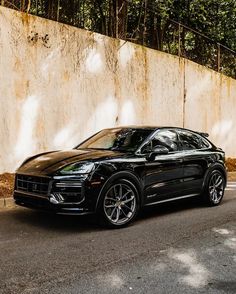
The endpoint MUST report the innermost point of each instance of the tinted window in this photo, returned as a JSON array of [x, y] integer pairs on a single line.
[[120, 139], [166, 138], [190, 141]]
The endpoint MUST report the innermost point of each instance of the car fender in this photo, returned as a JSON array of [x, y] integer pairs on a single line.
[[123, 175], [214, 166]]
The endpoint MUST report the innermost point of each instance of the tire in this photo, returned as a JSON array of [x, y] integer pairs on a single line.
[[119, 204], [214, 190]]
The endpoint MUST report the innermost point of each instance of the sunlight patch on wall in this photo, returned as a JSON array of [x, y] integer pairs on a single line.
[[197, 88], [127, 115], [104, 116], [64, 138], [94, 62], [99, 39], [198, 274], [25, 143], [222, 127], [49, 60], [125, 53], [222, 130]]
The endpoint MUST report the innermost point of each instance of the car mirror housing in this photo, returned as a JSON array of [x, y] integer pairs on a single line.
[[158, 150]]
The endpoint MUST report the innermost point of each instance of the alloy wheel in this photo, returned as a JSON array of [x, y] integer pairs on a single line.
[[216, 187], [120, 204]]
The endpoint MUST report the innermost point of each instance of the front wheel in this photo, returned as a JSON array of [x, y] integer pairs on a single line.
[[119, 203], [214, 191]]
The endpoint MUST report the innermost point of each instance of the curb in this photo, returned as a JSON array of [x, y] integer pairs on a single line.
[[7, 203]]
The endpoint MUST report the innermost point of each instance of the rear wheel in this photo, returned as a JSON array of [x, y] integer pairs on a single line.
[[119, 203], [214, 191]]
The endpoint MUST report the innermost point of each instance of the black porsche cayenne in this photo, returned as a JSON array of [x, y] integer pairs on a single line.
[[118, 171]]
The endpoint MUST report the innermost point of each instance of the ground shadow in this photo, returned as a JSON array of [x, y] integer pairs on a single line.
[[171, 207], [56, 222], [68, 223]]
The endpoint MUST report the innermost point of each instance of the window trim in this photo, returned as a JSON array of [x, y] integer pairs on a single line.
[[148, 139], [196, 134]]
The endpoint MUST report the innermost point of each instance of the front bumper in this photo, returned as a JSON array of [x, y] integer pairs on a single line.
[[41, 203], [64, 195]]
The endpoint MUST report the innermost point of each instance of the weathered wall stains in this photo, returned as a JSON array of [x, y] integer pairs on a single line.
[[59, 84], [34, 37]]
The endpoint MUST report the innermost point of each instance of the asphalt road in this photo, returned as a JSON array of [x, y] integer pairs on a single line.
[[181, 247]]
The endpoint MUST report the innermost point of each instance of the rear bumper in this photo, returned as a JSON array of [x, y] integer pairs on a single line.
[[42, 202]]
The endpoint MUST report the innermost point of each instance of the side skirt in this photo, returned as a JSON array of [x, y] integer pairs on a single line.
[[172, 199]]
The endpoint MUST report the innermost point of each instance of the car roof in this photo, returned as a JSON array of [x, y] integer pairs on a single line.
[[135, 127], [154, 128], [138, 127]]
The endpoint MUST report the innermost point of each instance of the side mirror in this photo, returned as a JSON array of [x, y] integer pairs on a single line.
[[158, 150]]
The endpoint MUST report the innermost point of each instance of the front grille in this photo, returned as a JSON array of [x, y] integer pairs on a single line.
[[32, 184]]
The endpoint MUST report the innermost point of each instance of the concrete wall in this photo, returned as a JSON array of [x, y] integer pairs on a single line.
[[60, 84]]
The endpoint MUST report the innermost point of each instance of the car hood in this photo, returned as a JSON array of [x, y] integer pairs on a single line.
[[50, 162]]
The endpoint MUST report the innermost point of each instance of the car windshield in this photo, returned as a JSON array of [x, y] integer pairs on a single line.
[[120, 139]]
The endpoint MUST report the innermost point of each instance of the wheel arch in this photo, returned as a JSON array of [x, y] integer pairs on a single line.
[[215, 166], [126, 175]]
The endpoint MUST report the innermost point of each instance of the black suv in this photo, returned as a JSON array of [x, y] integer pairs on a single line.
[[118, 171]]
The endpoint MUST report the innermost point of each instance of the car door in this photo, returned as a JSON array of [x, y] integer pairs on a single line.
[[164, 174], [196, 155]]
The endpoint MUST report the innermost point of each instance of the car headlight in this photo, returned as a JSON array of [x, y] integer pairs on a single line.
[[77, 168]]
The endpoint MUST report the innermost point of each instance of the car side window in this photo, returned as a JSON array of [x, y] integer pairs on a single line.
[[166, 138], [191, 141]]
